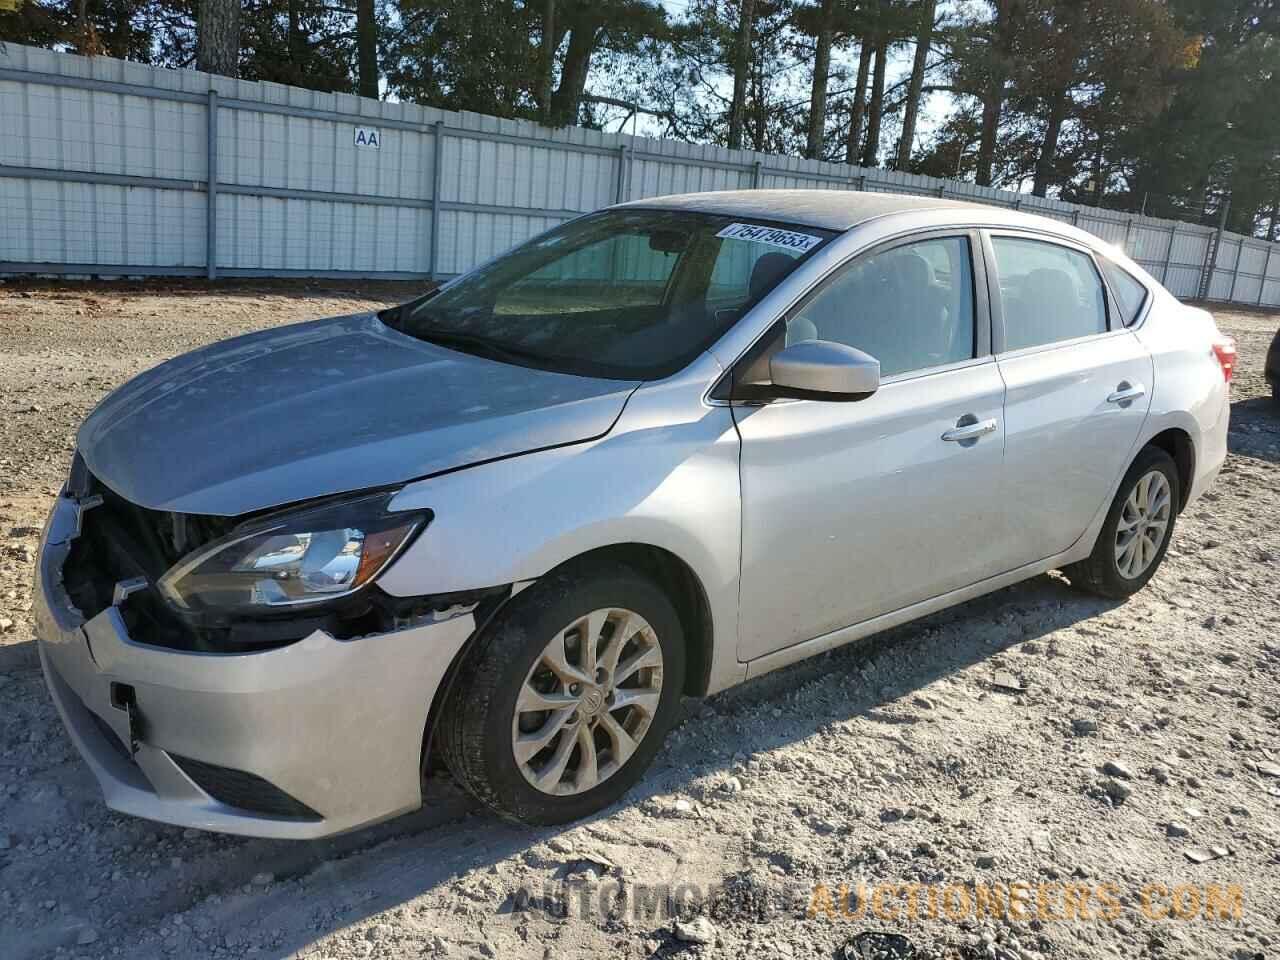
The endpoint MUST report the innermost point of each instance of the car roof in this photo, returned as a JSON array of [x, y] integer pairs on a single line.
[[831, 209]]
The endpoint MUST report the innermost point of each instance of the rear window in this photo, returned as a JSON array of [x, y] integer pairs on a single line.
[[1130, 293], [1050, 293]]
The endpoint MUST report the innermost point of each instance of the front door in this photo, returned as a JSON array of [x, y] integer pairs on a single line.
[[852, 510]]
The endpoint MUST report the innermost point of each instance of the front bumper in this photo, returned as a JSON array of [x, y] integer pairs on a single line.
[[336, 726]]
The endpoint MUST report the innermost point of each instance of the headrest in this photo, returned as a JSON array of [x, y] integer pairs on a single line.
[[766, 272], [1055, 286], [909, 270]]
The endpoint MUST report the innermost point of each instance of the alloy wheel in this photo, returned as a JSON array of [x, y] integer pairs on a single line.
[[1144, 523], [587, 701]]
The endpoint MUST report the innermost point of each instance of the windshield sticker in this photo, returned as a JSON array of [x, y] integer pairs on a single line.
[[799, 242]]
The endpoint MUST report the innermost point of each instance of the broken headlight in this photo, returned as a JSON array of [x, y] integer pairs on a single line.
[[293, 558]]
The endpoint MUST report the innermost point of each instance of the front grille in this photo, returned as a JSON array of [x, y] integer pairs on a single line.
[[244, 791], [120, 540]]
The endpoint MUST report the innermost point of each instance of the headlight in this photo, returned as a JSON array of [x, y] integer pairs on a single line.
[[300, 557]]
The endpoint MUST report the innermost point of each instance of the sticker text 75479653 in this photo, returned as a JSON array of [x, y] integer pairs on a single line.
[[787, 239]]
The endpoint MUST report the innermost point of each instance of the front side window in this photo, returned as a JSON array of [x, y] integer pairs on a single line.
[[627, 294], [910, 307], [1049, 293], [1130, 293]]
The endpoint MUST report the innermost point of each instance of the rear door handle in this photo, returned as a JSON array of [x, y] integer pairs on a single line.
[[970, 431], [1125, 392]]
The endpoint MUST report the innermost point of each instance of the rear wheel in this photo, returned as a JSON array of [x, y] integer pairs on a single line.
[[567, 695], [1135, 535]]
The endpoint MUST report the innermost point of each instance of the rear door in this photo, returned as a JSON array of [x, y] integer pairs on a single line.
[[1078, 387]]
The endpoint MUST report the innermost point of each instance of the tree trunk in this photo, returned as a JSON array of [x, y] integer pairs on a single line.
[[567, 99], [548, 55], [218, 37], [859, 109], [295, 40], [991, 107], [741, 64], [121, 30], [924, 41], [875, 113], [367, 48], [818, 96], [759, 125], [1049, 149], [1064, 77], [1007, 12]]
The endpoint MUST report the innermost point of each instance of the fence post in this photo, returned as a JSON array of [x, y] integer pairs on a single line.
[[1211, 254], [211, 190], [437, 168], [1168, 254], [755, 175], [1128, 234], [1235, 272], [619, 191], [1266, 267]]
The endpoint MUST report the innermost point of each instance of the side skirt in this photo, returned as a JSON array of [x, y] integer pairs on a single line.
[[838, 638]]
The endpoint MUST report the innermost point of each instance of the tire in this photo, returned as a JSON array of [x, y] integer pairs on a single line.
[[1101, 572], [509, 663]]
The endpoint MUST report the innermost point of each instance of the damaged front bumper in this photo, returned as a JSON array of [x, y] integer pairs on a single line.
[[301, 741]]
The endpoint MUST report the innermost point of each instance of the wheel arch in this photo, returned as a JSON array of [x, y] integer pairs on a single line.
[[1178, 444], [683, 586], [675, 576]]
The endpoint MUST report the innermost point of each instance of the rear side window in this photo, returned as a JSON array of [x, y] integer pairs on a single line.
[[1049, 293], [1130, 293]]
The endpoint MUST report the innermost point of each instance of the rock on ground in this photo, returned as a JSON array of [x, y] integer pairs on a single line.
[[897, 762]]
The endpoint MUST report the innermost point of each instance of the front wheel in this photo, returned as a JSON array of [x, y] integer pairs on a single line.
[[1136, 533], [567, 695]]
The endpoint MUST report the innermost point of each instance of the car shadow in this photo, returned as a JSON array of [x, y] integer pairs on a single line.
[[1255, 429], [378, 869]]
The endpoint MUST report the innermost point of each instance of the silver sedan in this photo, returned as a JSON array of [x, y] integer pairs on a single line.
[[651, 453]]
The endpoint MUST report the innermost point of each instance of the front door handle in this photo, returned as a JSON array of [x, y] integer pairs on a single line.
[[1126, 392], [970, 431]]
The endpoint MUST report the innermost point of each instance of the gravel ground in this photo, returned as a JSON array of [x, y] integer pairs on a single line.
[[1036, 745]]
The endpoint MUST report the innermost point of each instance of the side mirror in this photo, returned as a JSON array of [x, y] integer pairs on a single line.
[[823, 370]]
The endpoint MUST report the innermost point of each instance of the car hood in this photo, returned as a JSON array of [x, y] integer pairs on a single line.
[[326, 407]]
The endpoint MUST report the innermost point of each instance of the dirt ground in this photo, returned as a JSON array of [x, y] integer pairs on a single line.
[[1037, 750]]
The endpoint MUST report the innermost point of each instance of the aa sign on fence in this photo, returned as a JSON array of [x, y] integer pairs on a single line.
[[365, 136]]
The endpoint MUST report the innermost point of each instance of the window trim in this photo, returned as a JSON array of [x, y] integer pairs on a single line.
[[999, 340], [1147, 296], [721, 391]]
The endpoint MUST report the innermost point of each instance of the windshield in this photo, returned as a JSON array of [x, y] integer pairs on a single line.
[[626, 294]]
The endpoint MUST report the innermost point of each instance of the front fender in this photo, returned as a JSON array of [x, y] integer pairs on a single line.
[[665, 476]]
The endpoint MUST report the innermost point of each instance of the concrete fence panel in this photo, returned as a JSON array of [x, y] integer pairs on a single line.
[[111, 168]]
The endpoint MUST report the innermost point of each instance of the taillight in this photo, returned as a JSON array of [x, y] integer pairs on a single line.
[[1225, 350]]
